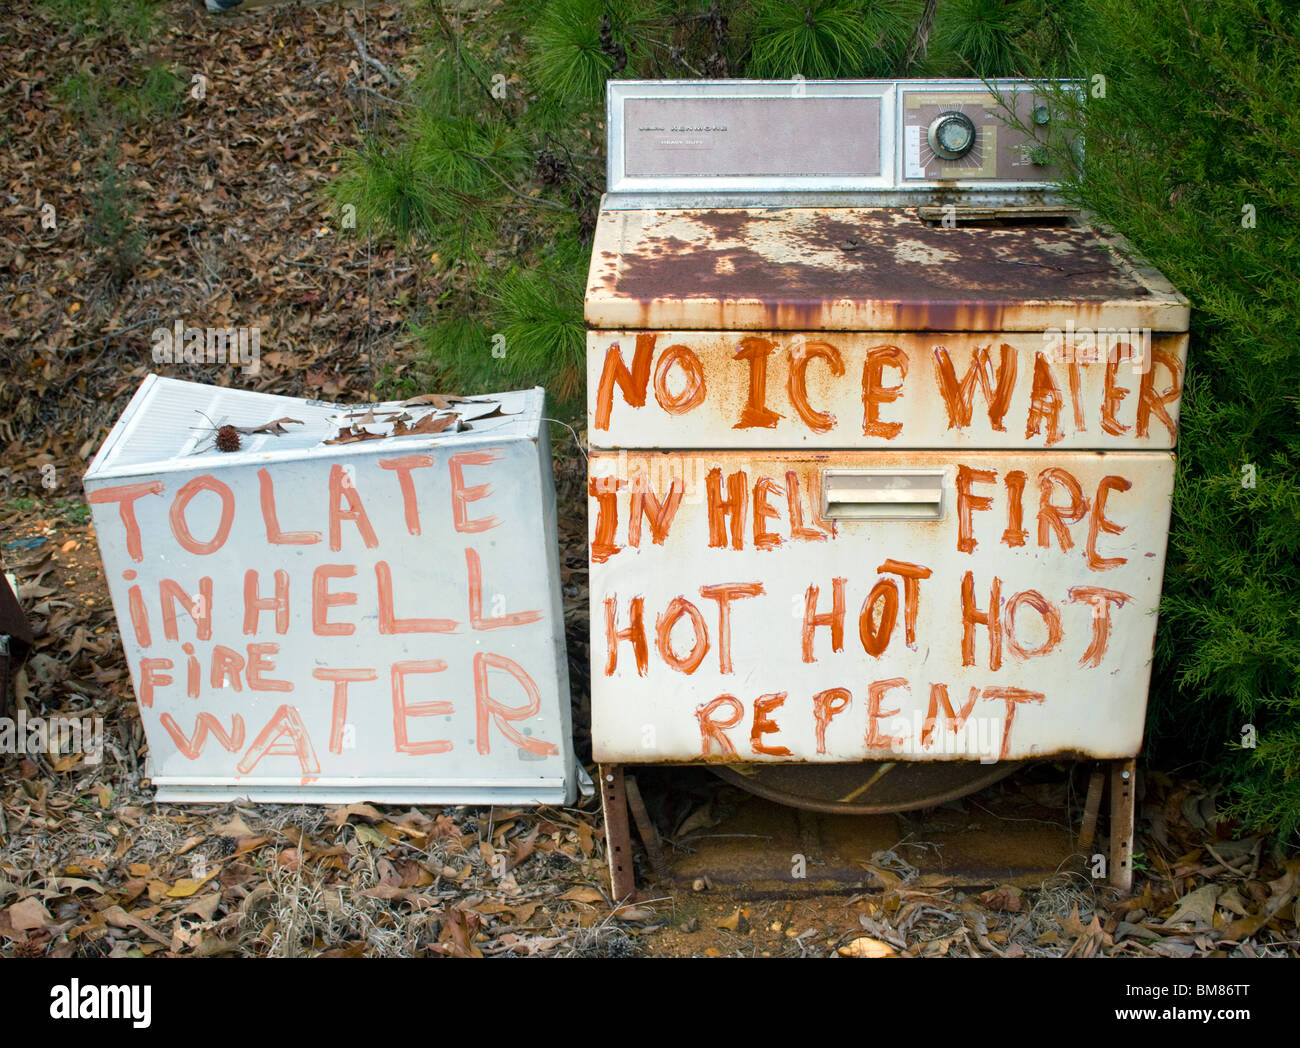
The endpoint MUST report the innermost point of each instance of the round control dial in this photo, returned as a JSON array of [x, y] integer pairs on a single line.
[[951, 135]]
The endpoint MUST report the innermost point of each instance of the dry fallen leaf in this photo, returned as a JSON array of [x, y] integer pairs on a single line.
[[735, 923], [274, 427], [28, 914], [523, 912], [119, 918], [521, 849], [1232, 901], [431, 423], [633, 913], [1005, 898], [1278, 905], [204, 907], [1196, 908], [236, 828], [187, 886], [583, 893], [339, 815], [352, 434], [700, 819], [1072, 925], [865, 946], [461, 927], [886, 878], [386, 891], [356, 949], [1173, 948]]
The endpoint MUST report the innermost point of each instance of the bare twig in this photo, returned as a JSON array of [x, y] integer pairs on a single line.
[[522, 196], [369, 59], [97, 341], [1224, 862], [380, 94]]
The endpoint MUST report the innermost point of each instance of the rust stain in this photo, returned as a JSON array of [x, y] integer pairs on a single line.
[[795, 264]]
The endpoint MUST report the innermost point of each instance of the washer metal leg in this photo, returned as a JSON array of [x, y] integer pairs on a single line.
[[618, 838], [1122, 800], [1091, 807], [645, 827]]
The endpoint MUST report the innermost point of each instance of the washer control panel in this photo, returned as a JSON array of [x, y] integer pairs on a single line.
[[740, 143], [975, 136]]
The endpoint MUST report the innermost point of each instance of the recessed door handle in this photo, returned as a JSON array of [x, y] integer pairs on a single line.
[[882, 494]]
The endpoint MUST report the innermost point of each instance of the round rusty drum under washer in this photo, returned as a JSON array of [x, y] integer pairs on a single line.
[[868, 788]]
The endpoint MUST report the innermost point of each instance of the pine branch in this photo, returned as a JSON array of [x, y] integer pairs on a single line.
[[921, 38], [453, 41], [521, 195]]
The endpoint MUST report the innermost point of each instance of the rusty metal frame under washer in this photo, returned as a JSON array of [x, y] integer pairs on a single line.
[[621, 802], [1123, 780], [995, 773], [618, 836]]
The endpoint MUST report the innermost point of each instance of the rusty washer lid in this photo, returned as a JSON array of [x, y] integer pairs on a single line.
[[862, 269]]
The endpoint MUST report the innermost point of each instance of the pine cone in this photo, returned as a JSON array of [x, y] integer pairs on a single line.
[[228, 439], [551, 168], [29, 948]]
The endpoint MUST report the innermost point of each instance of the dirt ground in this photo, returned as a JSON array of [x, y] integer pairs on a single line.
[[227, 193]]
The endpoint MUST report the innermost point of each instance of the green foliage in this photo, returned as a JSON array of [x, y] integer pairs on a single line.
[[544, 339], [525, 332], [160, 93], [1197, 131], [982, 35], [570, 55], [463, 154], [452, 83], [830, 39], [396, 189], [74, 510], [81, 95], [1053, 29], [112, 228], [132, 19]]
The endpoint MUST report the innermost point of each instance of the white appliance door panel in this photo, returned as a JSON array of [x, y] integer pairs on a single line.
[[859, 605], [403, 647], [1055, 390]]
